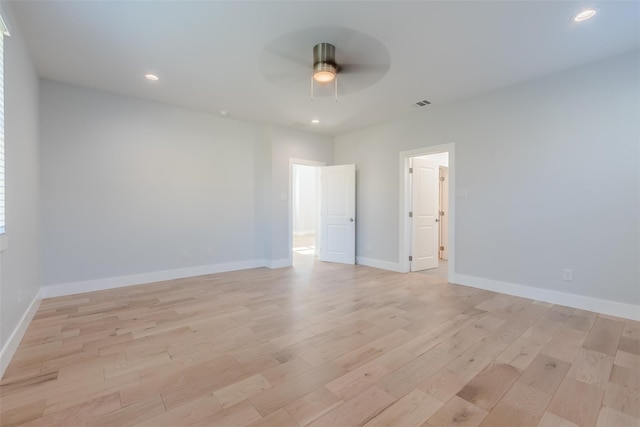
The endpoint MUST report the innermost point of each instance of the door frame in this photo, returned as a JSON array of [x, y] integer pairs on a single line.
[[404, 233], [304, 162]]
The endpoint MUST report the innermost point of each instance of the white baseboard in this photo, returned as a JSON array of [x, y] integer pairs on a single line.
[[10, 347], [612, 308], [278, 263], [139, 279], [376, 263]]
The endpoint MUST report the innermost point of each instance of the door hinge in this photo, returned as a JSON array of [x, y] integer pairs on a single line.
[[442, 178], [410, 258], [441, 213], [442, 248], [410, 170], [410, 214]]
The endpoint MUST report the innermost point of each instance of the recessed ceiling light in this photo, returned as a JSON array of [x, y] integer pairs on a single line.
[[315, 121], [151, 77], [224, 113], [584, 15]]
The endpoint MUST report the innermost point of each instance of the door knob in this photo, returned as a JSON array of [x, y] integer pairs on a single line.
[[350, 219]]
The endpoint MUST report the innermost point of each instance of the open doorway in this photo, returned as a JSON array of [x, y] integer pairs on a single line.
[[427, 210], [304, 212], [325, 201]]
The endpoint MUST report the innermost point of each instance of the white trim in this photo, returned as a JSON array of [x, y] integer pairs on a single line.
[[612, 308], [404, 232], [278, 263], [10, 347], [377, 263], [139, 279]]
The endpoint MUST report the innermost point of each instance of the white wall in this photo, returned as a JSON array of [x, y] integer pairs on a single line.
[[552, 173], [20, 262], [129, 185]]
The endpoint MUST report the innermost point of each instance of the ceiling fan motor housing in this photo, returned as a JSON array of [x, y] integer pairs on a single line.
[[324, 58]]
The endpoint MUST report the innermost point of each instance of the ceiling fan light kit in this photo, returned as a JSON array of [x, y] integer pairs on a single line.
[[323, 72]]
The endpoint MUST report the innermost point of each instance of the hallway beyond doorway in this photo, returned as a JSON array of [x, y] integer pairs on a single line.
[[304, 244], [441, 272]]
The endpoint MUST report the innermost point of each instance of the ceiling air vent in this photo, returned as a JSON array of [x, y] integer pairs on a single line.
[[422, 103]]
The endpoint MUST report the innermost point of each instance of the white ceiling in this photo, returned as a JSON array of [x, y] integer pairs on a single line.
[[253, 59]]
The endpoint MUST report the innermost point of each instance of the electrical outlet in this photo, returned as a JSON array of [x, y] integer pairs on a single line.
[[209, 252], [185, 255], [567, 274], [19, 295]]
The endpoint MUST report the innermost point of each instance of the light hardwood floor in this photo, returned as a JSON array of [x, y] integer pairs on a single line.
[[320, 345]]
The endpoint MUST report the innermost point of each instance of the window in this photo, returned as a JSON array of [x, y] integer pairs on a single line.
[[3, 32]]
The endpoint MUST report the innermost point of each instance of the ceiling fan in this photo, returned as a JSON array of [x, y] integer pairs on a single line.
[[359, 59]]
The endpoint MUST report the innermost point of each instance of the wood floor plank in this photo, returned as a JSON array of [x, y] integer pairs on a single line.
[[320, 344], [610, 417], [238, 415], [81, 413], [412, 410], [592, 367], [458, 412], [622, 399], [241, 390], [443, 385], [505, 415], [130, 415], [552, 420], [545, 373], [22, 414], [189, 413], [357, 381], [527, 398], [412, 374], [565, 344], [284, 372], [356, 411], [630, 345], [313, 405], [604, 336], [279, 418], [281, 395], [488, 387], [577, 402], [626, 377]]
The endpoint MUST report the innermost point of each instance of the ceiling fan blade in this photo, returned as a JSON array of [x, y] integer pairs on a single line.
[[292, 59], [363, 68]]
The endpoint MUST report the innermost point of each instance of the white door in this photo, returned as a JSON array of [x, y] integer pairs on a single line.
[[424, 224], [338, 214]]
